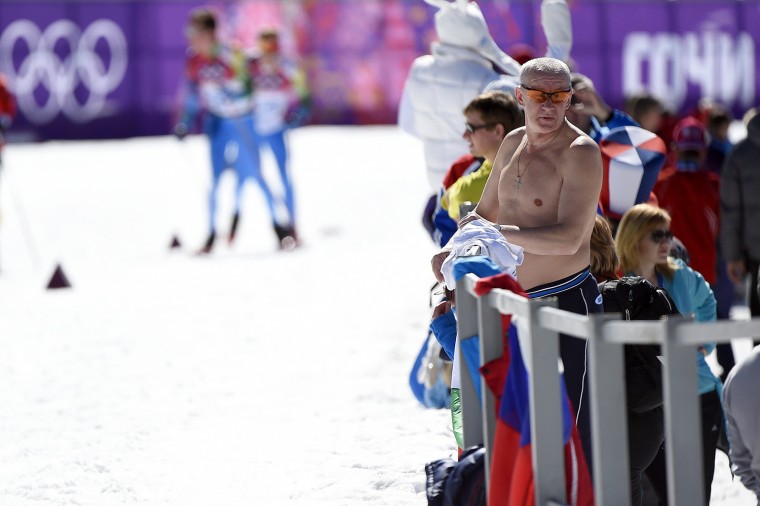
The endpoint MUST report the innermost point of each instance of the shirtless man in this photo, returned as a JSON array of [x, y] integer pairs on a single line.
[[542, 194]]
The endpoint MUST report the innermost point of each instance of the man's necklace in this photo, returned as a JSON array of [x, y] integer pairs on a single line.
[[518, 177]]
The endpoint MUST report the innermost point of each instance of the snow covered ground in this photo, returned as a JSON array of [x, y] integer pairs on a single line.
[[250, 376]]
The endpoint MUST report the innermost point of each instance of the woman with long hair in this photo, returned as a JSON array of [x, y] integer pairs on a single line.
[[646, 429], [604, 260], [643, 243]]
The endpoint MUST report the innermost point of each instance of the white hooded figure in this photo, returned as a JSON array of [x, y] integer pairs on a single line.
[[465, 61]]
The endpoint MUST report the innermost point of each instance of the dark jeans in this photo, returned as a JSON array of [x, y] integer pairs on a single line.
[[712, 419], [725, 293], [646, 433], [754, 289], [753, 266]]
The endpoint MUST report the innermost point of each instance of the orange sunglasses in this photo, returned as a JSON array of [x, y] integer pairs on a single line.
[[540, 96]]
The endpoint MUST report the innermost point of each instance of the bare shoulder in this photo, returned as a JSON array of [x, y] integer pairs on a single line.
[[509, 146], [579, 137], [582, 147], [514, 138]]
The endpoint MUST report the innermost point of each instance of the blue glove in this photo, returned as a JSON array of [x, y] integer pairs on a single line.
[[180, 130], [296, 116]]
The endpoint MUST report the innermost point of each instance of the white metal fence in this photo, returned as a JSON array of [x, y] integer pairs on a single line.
[[606, 335]]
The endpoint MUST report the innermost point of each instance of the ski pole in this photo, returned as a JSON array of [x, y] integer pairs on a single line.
[[26, 230]]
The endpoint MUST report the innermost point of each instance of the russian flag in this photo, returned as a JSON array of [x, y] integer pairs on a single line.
[[511, 462]]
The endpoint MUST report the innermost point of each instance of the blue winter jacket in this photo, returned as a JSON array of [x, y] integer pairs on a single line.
[[618, 119], [693, 295]]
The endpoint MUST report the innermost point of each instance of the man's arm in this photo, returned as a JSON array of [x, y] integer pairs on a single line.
[[488, 205], [582, 182], [741, 455], [189, 101], [558, 29]]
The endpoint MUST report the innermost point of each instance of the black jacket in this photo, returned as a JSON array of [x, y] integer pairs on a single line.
[[740, 197]]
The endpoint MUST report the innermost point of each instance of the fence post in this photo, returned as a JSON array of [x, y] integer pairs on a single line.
[[609, 413], [542, 360], [467, 327], [683, 437], [491, 336]]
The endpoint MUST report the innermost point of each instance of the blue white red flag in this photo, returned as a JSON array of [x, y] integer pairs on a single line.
[[511, 462]]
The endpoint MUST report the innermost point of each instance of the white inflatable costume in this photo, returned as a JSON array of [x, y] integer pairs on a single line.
[[464, 62]]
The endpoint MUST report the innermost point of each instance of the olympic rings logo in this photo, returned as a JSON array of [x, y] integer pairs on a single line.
[[78, 71]]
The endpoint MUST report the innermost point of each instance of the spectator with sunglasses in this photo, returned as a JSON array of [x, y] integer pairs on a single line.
[[489, 117], [643, 244], [690, 192], [542, 195]]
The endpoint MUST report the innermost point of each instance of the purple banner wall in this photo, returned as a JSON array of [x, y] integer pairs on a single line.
[[112, 69]]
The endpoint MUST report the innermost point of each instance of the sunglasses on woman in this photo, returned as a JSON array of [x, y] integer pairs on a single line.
[[540, 96], [661, 236]]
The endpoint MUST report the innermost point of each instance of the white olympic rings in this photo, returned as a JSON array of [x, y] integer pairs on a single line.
[[64, 62]]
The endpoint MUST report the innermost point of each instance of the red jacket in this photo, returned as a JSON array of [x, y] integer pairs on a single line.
[[693, 201], [457, 169]]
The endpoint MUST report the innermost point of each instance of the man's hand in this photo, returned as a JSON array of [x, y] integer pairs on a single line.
[[437, 261], [736, 271], [471, 216], [507, 228], [180, 131], [588, 102], [296, 117]]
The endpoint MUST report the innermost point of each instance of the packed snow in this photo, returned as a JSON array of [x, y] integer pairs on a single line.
[[249, 376]]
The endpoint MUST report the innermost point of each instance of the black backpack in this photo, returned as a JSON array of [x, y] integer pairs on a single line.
[[460, 482], [638, 299]]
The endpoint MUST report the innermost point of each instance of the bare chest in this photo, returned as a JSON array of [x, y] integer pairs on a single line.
[[529, 191]]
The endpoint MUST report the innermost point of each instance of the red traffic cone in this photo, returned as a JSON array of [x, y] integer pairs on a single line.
[[59, 279]]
